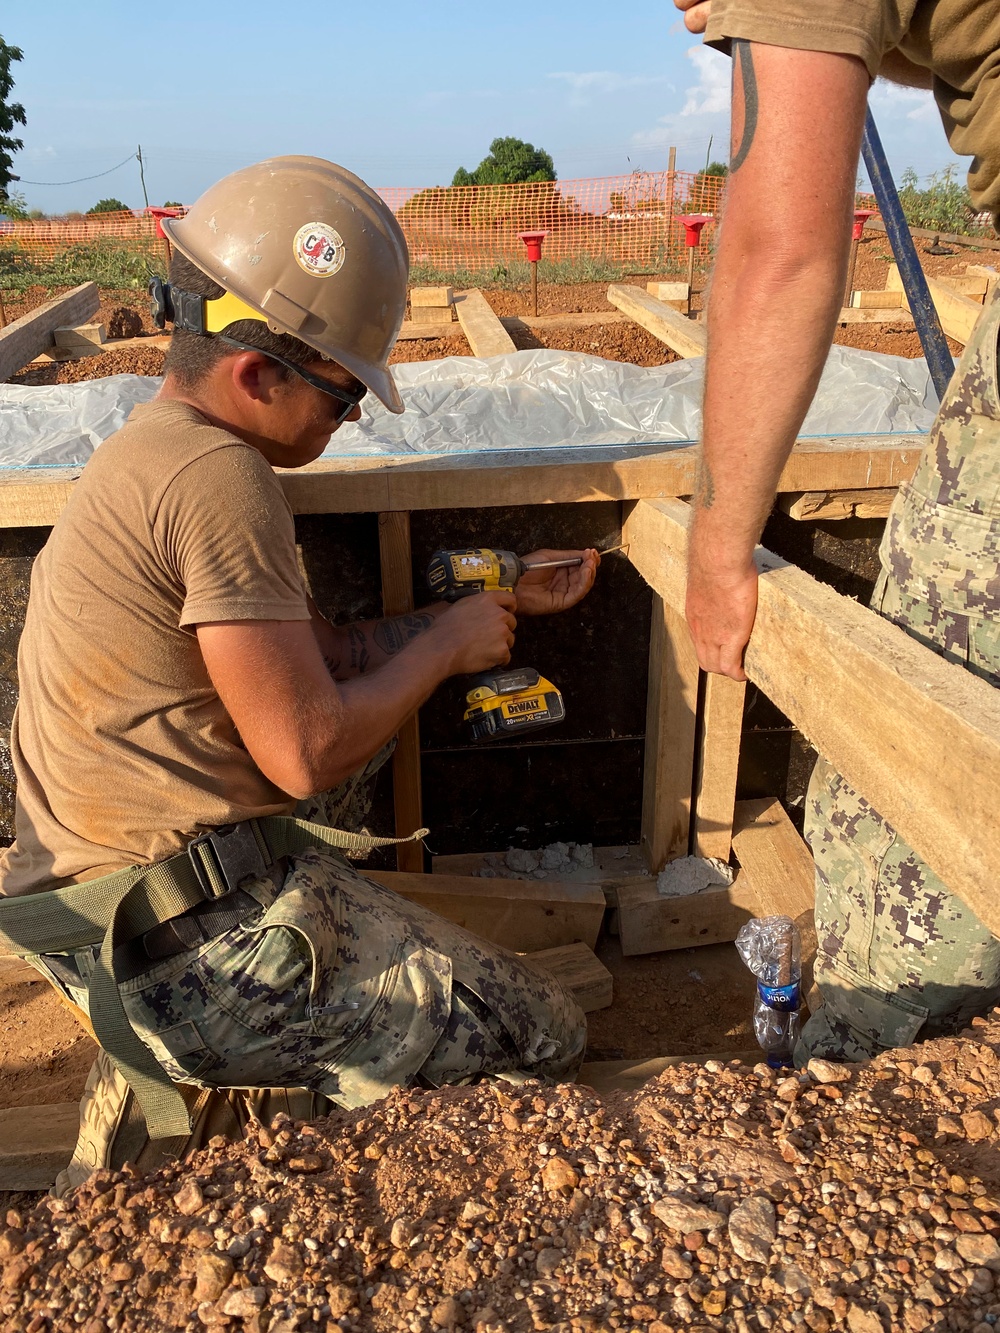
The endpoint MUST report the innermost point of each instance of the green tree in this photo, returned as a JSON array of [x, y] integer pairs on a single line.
[[173, 203], [14, 205], [510, 162], [11, 114], [109, 206]]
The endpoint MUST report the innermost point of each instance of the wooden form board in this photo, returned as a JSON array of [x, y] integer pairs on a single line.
[[22, 340], [918, 736], [671, 728], [486, 335], [780, 869], [522, 915], [35, 497], [681, 335], [580, 971], [718, 759], [897, 317], [816, 505], [875, 300], [648, 922], [958, 314], [946, 238], [396, 557]]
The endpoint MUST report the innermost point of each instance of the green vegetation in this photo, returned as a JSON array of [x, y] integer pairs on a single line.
[[112, 262], [109, 206], [11, 114], [943, 205], [510, 162], [515, 275]]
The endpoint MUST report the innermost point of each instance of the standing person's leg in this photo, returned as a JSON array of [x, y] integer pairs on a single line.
[[898, 955]]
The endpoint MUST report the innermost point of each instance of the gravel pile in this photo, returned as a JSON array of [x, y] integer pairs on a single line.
[[716, 1197]]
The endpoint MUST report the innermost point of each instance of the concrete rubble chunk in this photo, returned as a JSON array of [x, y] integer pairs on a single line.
[[825, 1071], [684, 1216], [752, 1229]]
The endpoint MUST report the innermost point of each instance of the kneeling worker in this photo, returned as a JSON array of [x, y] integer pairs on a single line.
[[180, 692]]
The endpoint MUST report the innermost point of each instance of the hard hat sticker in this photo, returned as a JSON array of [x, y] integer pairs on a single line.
[[319, 249]]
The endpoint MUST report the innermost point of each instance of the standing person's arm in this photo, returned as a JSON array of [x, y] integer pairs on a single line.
[[777, 287]]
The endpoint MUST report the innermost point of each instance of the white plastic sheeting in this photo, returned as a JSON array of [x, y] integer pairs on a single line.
[[526, 400]]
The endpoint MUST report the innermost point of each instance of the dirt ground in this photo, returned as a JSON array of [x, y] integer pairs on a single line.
[[615, 342], [722, 1198]]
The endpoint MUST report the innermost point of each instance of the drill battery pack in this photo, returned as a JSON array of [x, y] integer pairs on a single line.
[[503, 705]]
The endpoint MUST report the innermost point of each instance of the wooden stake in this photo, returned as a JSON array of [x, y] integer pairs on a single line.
[[671, 712], [397, 599]]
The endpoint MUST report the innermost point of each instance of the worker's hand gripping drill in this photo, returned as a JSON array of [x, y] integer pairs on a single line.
[[504, 704]]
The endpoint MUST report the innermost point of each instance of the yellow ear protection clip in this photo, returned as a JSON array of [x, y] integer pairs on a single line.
[[208, 316]]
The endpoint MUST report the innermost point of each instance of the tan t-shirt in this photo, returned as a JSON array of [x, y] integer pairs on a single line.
[[121, 746], [957, 40]]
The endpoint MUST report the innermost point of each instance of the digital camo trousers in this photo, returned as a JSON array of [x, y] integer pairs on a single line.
[[898, 955]]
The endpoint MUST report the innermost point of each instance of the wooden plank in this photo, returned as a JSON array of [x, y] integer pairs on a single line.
[[433, 315], [523, 915], [681, 335], [35, 497], [32, 333], [781, 871], [649, 922], [486, 335], [630, 1075], [946, 238], [37, 1143], [721, 727], [580, 971], [435, 297], [439, 329], [875, 300], [918, 736], [581, 319], [87, 336], [816, 505], [990, 276], [674, 294], [959, 315], [895, 318], [973, 285], [671, 722], [396, 559]]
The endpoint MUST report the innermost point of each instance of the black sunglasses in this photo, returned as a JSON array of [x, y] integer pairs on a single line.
[[345, 396]]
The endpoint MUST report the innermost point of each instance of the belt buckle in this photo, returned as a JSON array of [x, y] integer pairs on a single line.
[[235, 854]]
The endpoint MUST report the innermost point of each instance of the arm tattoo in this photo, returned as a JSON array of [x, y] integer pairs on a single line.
[[704, 496], [360, 656], [394, 634], [749, 81]]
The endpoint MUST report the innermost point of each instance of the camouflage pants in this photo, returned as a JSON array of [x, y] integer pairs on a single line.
[[899, 956], [335, 990]]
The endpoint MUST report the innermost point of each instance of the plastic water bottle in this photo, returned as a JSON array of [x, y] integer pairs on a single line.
[[771, 949]]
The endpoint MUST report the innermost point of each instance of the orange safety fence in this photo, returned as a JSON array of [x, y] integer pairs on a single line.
[[630, 221]]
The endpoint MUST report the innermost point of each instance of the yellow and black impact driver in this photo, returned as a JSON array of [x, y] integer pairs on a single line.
[[502, 704]]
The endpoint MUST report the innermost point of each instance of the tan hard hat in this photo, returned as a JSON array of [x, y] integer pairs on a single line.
[[314, 251]]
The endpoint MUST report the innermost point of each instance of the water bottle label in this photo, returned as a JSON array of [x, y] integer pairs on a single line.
[[785, 999]]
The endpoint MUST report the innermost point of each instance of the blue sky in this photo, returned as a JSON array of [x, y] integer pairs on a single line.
[[402, 93]]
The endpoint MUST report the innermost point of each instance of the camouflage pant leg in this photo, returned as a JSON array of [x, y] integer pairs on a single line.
[[346, 988]]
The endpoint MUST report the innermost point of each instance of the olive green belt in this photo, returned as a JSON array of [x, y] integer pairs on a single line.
[[118, 908]]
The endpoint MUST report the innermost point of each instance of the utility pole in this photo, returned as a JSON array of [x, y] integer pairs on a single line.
[[142, 176]]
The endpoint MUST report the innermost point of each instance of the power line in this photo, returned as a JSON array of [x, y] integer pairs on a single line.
[[79, 179]]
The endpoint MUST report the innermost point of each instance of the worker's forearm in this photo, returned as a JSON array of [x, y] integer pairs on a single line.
[[366, 646], [771, 324], [370, 709]]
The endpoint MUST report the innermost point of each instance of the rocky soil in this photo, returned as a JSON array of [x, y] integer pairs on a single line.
[[864, 1198]]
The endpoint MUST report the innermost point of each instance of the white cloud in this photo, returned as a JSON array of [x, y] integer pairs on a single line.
[[585, 85], [38, 154], [914, 103], [711, 93]]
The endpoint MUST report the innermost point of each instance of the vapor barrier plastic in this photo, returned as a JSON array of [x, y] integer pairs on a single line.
[[527, 400]]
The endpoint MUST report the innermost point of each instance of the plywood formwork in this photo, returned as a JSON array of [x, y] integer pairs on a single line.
[[917, 735], [35, 497]]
